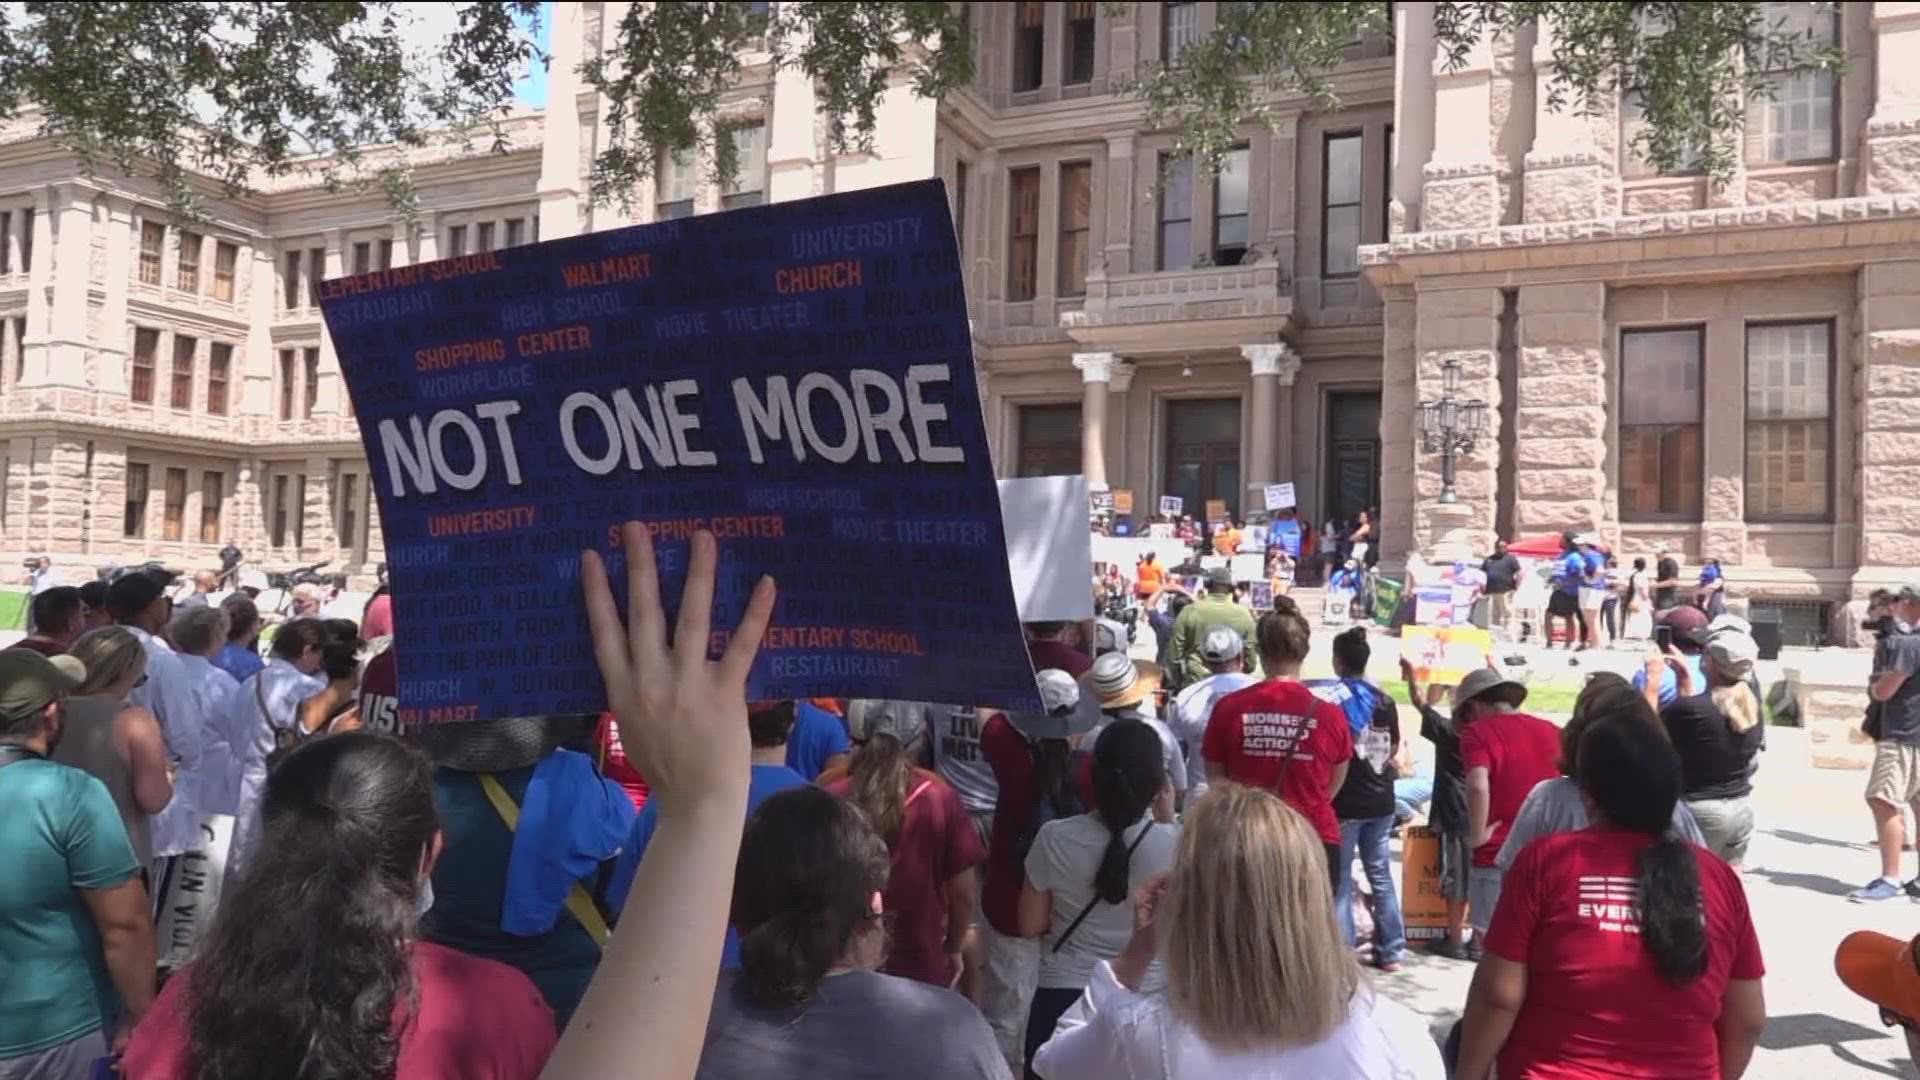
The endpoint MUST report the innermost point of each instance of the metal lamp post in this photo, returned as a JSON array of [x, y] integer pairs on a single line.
[[1449, 426]]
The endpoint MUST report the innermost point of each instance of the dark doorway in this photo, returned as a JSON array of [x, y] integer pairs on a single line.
[[1049, 442], [1203, 453], [1353, 453]]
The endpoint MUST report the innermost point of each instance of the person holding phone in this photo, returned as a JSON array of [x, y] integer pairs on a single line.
[[1684, 629]]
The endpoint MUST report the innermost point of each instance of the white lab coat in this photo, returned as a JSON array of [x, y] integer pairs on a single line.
[[251, 734], [168, 695], [214, 786]]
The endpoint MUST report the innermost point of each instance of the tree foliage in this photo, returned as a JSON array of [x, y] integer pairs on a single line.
[[239, 91]]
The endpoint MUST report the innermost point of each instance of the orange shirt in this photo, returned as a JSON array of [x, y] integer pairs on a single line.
[[1226, 542], [1153, 577]]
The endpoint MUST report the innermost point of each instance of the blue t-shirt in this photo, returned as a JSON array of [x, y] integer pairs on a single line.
[[1709, 574], [1670, 683], [766, 781], [1571, 572], [60, 833], [816, 736], [241, 663], [1596, 569]]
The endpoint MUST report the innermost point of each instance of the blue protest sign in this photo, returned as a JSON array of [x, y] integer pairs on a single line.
[[1286, 533], [797, 378]]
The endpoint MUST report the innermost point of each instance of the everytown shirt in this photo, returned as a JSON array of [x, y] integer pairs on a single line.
[[1277, 735], [1596, 1005]]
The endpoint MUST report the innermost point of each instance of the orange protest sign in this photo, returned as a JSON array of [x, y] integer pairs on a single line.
[[1122, 501], [1423, 904], [1216, 511]]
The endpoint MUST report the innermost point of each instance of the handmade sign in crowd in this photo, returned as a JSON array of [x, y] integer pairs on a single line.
[[797, 379]]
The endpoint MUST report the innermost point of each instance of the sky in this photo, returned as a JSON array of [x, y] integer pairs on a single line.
[[532, 86]]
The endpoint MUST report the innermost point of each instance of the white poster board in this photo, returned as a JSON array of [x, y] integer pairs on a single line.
[[1280, 496], [1213, 562], [189, 888], [1249, 568], [1172, 505], [1125, 551], [1049, 549], [1161, 530]]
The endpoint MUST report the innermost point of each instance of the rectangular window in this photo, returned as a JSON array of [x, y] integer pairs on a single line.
[[213, 497], [181, 376], [1174, 243], [1076, 217], [362, 257], [300, 511], [1077, 65], [175, 509], [134, 523], [189, 268], [6, 242], [316, 270], [225, 258], [516, 231], [1023, 234], [1796, 122], [1231, 223], [279, 511], [1029, 45], [1049, 440], [153, 240], [1179, 28], [311, 378], [960, 183], [348, 520], [19, 348], [26, 241], [219, 373], [286, 384], [750, 182], [146, 343], [1340, 197], [456, 241], [1633, 122], [483, 236], [386, 255], [675, 187], [290, 284], [1789, 421], [1660, 423]]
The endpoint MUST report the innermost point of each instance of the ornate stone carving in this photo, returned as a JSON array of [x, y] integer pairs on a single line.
[[1272, 358], [1095, 366]]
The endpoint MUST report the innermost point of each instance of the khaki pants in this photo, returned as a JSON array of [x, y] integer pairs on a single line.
[[1500, 612]]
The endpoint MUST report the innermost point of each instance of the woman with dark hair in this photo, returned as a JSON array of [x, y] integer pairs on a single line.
[[930, 839], [1620, 949], [262, 715], [806, 1000], [1081, 870], [1278, 735], [313, 966]]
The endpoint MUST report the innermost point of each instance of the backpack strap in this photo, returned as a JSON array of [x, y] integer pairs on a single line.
[[578, 902], [1067, 935]]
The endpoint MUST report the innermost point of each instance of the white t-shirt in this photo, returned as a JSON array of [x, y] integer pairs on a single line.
[[1114, 1032], [957, 757], [1065, 856], [1191, 711]]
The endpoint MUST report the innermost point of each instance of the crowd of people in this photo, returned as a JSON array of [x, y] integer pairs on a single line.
[[1175, 869]]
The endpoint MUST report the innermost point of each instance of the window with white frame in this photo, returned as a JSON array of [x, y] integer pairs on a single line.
[[1795, 123], [750, 178], [1179, 28], [1789, 420], [675, 185]]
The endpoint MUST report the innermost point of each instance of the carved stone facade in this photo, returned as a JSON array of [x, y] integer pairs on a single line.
[[1777, 427]]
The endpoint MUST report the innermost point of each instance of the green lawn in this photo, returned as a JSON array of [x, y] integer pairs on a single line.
[[1555, 700]]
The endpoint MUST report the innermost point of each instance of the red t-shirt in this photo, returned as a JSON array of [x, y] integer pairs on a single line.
[[937, 841], [1277, 735], [44, 648], [477, 1020], [1596, 1006], [1518, 751], [614, 764], [1007, 751]]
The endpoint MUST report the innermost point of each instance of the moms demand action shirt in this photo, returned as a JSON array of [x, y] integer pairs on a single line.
[[1277, 735], [1596, 1005]]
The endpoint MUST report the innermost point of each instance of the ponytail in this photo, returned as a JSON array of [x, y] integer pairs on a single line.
[[877, 784], [1672, 919], [1738, 705], [1128, 771]]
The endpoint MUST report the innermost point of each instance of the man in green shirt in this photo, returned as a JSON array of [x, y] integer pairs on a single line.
[[76, 928], [1215, 609]]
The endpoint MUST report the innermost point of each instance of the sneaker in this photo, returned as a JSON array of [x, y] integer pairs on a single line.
[[1875, 890], [1452, 950], [1475, 951], [1912, 888]]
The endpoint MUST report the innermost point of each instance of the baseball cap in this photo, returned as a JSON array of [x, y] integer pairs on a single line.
[[1069, 712], [1733, 653], [30, 681], [1909, 593], [1058, 690], [904, 720], [1884, 970], [1109, 636], [1220, 579], [1222, 644], [1483, 681], [1687, 622]]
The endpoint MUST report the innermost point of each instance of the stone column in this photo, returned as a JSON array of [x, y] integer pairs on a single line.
[[111, 371], [327, 399], [1121, 201], [402, 232], [1893, 132], [1270, 412], [39, 280], [1118, 473], [1399, 414], [256, 356], [1282, 174], [426, 238], [318, 511], [560, 138], [63, 352], [1462, 185], [1413, 125], [1568, 176], [1887, 404], [1096, 374], [1462, 325], [1560, 419]]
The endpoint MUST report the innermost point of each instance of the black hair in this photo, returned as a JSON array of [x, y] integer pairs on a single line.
[[94, 594], [1283, 633], [809, 866], [131, 595], [1632, 774], [56, 608], [308, 952], [1639, 564], [1351, 652], [1129, 769], [298, 635], [769, 725], [340, 656], [243, 618]]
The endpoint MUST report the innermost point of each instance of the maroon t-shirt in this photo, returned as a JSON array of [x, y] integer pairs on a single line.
[[937, 841], [1053, 654], [380, 695], [1012, 760], [44, 648]]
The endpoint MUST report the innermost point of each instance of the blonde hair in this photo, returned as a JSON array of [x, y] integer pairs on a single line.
[[1731, 696], [111, 654], [1252, 952]]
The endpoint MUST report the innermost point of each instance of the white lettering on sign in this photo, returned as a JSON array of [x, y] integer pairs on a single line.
[[787, 413], [1274, 734], [419, 453]]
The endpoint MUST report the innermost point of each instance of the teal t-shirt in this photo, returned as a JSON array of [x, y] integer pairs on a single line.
[[59, 832]]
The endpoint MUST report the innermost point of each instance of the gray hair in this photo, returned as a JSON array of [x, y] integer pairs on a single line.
[[199, 630], [112, 655]]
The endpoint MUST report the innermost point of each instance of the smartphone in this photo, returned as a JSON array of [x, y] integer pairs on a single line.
[[1663, 637]]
